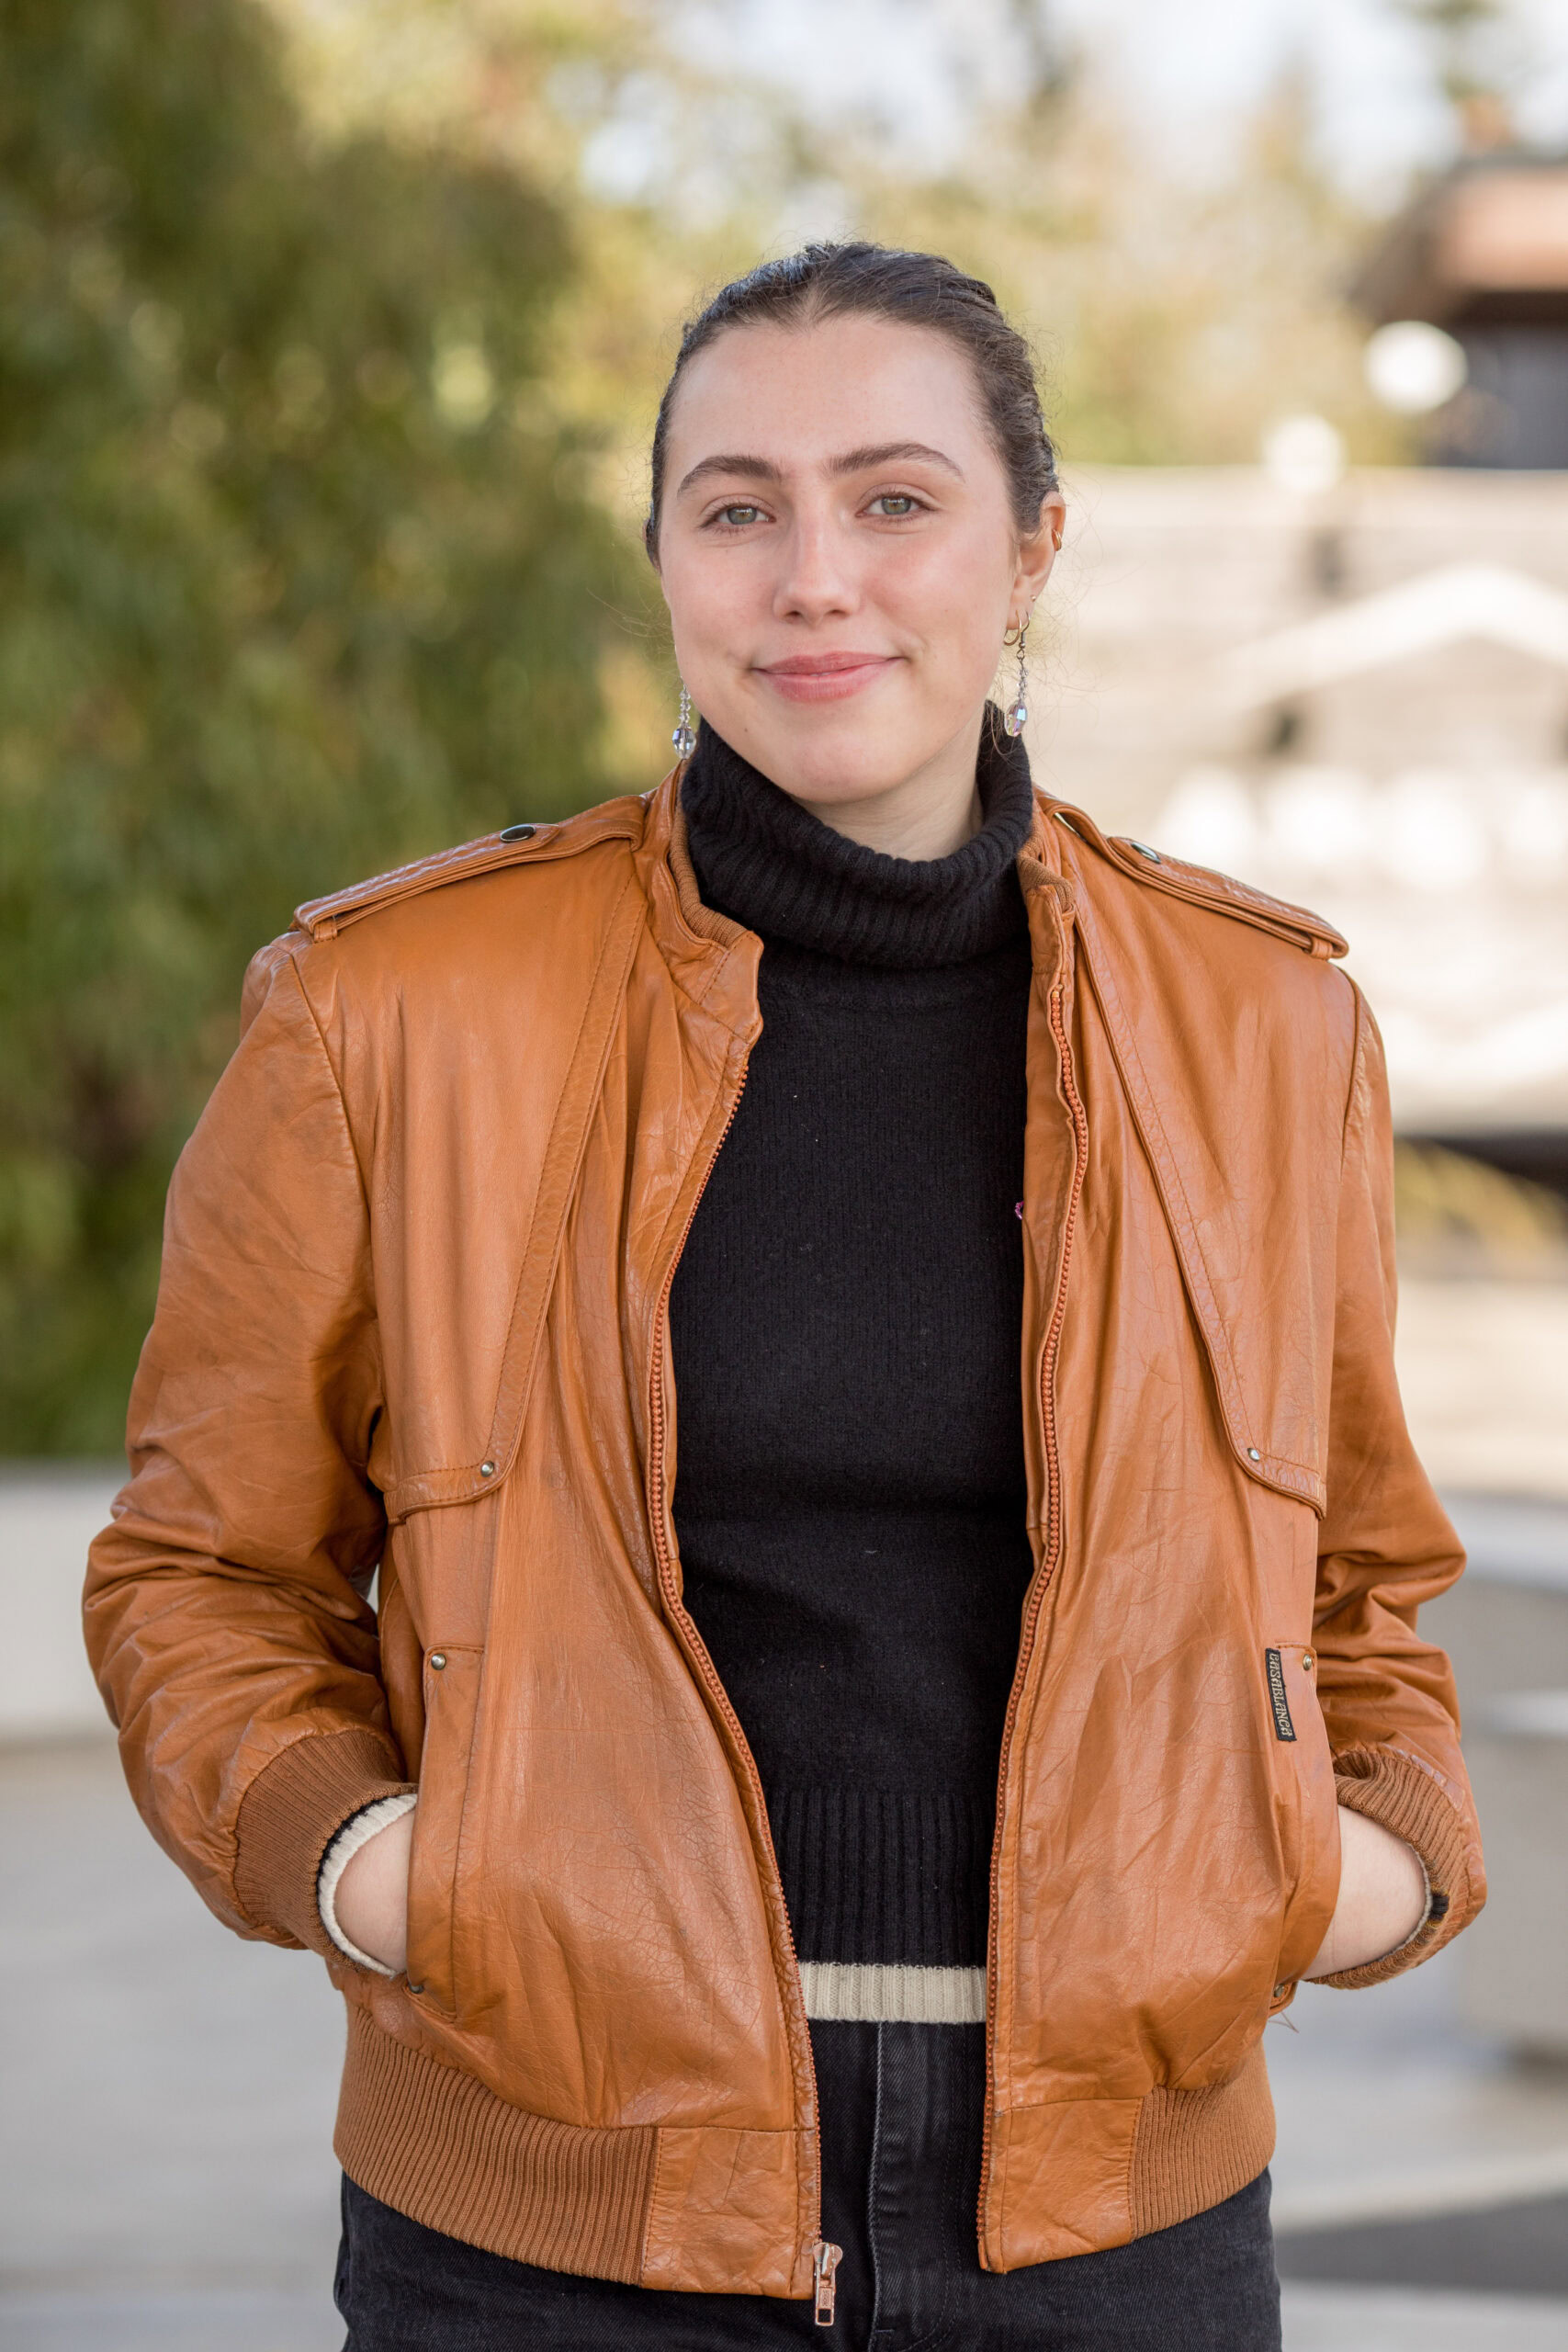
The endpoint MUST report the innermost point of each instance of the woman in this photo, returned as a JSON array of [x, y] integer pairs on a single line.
[[842, 1875]]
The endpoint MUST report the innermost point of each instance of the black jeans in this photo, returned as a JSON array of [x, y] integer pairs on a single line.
[[901, 2121]]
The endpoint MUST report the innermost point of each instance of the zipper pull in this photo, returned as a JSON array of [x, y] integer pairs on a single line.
[[825, 2260]]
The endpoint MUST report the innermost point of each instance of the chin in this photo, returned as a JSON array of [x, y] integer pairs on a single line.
[[837, 759]]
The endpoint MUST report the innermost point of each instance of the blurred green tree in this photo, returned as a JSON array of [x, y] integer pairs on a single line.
[[301, 577]]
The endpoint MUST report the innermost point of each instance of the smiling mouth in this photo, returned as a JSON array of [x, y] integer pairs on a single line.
[[824, 677]]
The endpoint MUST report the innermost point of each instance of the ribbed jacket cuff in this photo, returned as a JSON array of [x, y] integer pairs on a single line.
[[292, 1811], [1393, 1789]]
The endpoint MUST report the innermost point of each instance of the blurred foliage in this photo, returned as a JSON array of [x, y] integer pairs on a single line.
[[1176, 316], [1459, 1217], [301, 577], [1477, 52], [1174, 322]]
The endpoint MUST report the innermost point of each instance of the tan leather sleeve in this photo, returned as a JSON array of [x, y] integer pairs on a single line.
[[1386, 1545], [224, 1610]]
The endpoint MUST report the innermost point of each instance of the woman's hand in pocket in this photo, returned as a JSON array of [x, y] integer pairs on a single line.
[[372, 1898], [1382, 1897]]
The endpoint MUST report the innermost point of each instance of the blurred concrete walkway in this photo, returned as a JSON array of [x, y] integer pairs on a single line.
[[1390, 2108], [1484, 1372], [167, 2178], [167, 2182], [1395, 2319]]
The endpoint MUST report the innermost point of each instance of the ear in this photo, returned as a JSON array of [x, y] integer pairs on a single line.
[[1037, 553]]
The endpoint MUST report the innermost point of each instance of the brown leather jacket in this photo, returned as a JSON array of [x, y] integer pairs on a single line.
[[413, 1312]]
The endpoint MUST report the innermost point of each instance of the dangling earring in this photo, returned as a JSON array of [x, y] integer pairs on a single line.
[[1017, 718], [686, 737]]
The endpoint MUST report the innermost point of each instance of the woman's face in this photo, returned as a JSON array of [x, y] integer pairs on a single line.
[[839, 553]]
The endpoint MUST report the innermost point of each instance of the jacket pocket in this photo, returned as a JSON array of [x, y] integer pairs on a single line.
[[1303, 1781], [451, 1705]]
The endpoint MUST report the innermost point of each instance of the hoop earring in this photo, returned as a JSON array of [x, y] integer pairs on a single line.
[[1017, 718], [686, 737]]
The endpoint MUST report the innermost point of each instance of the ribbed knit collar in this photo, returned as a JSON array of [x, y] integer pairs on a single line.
[[769, 863]]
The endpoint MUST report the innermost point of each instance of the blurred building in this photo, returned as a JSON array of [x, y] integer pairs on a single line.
[[1356, 698], [1483, 255], [1352, 689]]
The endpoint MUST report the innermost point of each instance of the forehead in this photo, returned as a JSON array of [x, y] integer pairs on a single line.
[[799, 394]]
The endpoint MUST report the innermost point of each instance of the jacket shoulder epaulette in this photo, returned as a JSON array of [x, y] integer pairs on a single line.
[[621, 819], [1199, 886]]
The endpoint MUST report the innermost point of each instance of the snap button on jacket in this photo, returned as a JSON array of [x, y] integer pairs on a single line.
[[413, 1326]]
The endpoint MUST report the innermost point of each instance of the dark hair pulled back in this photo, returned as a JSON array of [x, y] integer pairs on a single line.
[[881, 282]]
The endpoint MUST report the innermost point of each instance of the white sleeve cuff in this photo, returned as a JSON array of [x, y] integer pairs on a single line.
[[356, 1831]]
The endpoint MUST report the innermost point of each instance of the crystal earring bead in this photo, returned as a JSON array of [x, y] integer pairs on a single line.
[[1017, 716], [685, 736]]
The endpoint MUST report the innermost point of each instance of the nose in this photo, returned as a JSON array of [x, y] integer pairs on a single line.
[[816, 580]]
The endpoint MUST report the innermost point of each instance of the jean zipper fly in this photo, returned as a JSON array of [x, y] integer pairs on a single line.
[[824, 2259], [1049, 1560]]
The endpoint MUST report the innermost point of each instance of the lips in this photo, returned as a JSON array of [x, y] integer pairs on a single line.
[[824, 677]]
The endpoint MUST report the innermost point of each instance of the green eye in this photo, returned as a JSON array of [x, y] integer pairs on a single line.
[[739, 516], [896, 504]]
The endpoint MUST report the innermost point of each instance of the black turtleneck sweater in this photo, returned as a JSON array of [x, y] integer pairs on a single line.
[[849, 1497]]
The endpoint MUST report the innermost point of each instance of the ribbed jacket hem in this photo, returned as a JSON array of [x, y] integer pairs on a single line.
[[440, 2147], [292, 1811], [1394, 1791], [1193, 2149], [436, 2144]]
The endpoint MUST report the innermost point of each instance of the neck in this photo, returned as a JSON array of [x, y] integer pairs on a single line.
[[927, 814]]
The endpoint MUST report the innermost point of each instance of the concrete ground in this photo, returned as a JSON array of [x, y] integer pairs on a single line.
[[167, 2182], [167, 2179], [1484, 1372]]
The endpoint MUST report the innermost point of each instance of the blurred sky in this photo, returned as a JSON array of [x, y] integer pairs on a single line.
[[1188, 72]]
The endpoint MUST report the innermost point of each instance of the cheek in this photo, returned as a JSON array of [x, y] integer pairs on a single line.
[[713, 610], [695, 607], [951, 597]]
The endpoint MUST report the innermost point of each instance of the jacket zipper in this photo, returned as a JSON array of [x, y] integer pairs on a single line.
[[825, 2257], [825, 2260], [1048, 1564]]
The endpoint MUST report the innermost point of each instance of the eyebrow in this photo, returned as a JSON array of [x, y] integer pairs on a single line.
[[853, 461], [886, 453]]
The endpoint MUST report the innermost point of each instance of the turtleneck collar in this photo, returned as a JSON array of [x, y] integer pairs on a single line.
[[766, 862]]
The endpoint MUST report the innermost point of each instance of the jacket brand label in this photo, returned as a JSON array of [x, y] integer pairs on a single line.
[[1283, 1727]]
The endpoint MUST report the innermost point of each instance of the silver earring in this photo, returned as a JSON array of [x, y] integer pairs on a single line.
[[685, 736], [1017, 718]]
